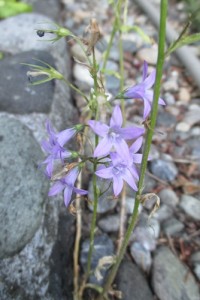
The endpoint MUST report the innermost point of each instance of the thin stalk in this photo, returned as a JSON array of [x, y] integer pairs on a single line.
[[115, 29], [133, 218], [77, 242], [95, 193], [73, 87]]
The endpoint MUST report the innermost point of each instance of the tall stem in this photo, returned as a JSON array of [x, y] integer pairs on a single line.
[[133, 218]]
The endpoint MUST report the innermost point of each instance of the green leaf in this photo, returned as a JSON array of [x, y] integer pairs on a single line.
[[128, 28], [10, 8], [185, 40]]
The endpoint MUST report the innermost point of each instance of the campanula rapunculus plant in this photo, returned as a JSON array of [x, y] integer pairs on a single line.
[[143, 90], [54, 146], [67, 184], [119, 170], [114, 135]]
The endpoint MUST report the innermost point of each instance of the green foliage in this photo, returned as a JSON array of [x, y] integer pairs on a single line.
[[10, 8]]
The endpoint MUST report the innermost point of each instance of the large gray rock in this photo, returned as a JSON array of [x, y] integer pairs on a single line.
[[21, 97], [132, 283], [22, 29], [171, 279], [50, 8], [22, 187]]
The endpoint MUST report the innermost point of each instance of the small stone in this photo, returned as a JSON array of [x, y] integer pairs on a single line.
[[169, 98], [172, 226], [183, 127], [184, 95], [82, 75], [141, 256], [192, 117], [149, 184], [170, 86], [197, 270], [191, 206], [130, 202], [103, 246], [132, 283], [195, 257], [154, 228], [148, 54], [143, 236], [163, 213], [166, 119], [165, 170], [168, 197], [168, 277], [79, 54], [110, 223]]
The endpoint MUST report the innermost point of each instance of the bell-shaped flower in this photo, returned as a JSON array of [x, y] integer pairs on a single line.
[[119, 171], [67, 184], [143, 90], [54, 146], [114, 135]]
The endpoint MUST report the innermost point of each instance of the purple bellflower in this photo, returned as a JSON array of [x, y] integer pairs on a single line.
[[119, 171], [142, 90], [67, 184], [54, 146], [114, 135], [135, 147]]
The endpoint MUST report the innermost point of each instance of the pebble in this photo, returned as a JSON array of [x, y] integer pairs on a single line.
[[149, 184], [170, 86], [148, 54], [132, 283], [110, 223], [166, 119], [144, 236], [163, 213], [184, 95], [78, 54], [191, 206], [192, 117], [168, 277], [106, 202], [169, 98], [168, 197], [130, 202], [183, 127], [141, 256], [103, 246], [154, 228], [172, 227], [22, 186], [197, 270], [165, 170], [83, 76]]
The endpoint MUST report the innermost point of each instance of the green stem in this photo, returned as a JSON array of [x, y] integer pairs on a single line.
[[115, 29], [73, 87], [133, 219]]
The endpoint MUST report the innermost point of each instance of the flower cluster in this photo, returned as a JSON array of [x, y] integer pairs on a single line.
[[54, 147], [122, 161]]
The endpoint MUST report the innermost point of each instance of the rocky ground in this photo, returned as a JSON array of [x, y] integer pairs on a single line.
[[37, 233]]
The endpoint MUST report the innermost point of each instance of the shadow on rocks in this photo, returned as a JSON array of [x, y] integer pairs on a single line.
[[61, 260]]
